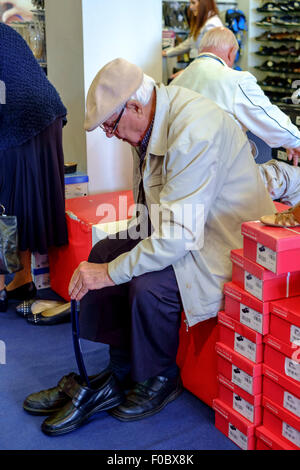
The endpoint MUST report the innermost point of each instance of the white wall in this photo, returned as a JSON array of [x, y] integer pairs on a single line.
[[130, 29], [82, 36], [65, 71]]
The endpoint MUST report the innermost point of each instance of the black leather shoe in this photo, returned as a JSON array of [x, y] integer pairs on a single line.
[[148, 398], [50, 400], [104, 394], [3, 300], [25, 292]]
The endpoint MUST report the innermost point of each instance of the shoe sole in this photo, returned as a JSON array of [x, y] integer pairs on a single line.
[[77, 425], [122, 417], [37, 412]]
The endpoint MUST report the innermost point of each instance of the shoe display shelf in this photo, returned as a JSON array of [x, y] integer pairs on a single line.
[[258, 365], [34, 34], [279, 52]]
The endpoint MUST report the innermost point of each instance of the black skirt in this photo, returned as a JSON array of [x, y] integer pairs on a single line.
[[32, 188]]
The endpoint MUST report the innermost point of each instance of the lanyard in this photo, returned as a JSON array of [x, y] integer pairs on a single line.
[[210, 57]]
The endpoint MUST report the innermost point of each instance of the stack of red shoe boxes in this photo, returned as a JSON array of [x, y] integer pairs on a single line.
[[278, 250], [261, 276], [281, 378]]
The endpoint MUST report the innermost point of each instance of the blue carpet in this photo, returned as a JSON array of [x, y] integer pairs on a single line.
[[38, 356]]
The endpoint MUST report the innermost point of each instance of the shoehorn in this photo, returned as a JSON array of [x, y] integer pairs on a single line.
[[75, 309]]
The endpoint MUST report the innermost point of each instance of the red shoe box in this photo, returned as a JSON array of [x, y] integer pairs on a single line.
[[234, 426], [197, 359], [240, 338], [239, 370], [246, 308], [249, 406], [261, 282], [267, 440], [282, 358], [281, 390], [282, 423], [275, 248], [285, 320], [83, 214]]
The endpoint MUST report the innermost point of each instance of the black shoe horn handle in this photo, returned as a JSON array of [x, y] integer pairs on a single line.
[[75, 309]]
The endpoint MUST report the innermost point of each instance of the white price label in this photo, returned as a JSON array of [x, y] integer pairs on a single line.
[[238, 437], [243, 380], [253, 285], [292, 369], [245, 347], [291, 403], [295, 335], [266, 257], [291, 434], [243, 407], [251, 318]]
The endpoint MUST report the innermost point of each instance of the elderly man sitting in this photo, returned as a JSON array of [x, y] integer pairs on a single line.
[[242, 98], [195, 182]]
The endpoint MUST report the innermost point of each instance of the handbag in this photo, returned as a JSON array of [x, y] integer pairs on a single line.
[[9, 257]]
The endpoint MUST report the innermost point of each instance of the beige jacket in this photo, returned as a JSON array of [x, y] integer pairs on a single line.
[[197, 157]]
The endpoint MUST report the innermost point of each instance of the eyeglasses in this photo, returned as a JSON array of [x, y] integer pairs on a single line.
[[112, 128]]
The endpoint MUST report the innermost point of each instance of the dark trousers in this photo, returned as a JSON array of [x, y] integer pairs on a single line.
[[142, 317]]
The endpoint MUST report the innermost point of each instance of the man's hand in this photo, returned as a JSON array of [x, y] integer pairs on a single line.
[[89, 276], [293, 154]]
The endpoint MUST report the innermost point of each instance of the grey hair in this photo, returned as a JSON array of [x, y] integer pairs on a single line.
[[219, 38], [143, 93]]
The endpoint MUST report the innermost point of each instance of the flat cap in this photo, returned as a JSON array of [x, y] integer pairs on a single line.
[[111, 88]]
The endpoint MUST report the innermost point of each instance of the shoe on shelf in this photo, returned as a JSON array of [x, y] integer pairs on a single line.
[[148, 398], [84, 402], [268, 64], [291, 6], [268, 20], [266, 36], [24, 292], [35, 306], [269, 7], [3, 300], [52, 316], [289, 20]]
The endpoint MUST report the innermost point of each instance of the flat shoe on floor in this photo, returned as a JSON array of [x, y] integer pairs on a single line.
[[289, 218], [34, 306], [52, 316]]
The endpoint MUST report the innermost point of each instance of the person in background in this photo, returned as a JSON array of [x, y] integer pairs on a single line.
[[203, 15], [15, 10], [238, 93], [195, 182], [31, 158]]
